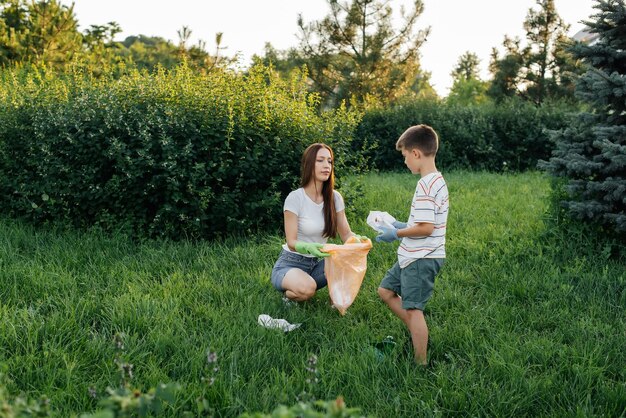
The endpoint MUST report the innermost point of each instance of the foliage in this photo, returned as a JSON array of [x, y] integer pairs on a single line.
[[284, 62], [467, 88], [542, 69], [42, 32], [317, 409], [524, 321], [20, 406], [467, 67], [355, 53], [101, 54], [152, 52], [168, 154], [468, 92], [45, 32], [497, 137], [124, 402], [591, 153]]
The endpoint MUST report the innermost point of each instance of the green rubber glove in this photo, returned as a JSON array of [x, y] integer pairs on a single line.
[[312, 248]]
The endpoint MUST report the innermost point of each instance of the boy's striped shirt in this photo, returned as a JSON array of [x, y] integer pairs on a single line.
[[429, 205]]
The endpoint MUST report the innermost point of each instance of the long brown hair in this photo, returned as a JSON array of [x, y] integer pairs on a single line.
[[307, 174]]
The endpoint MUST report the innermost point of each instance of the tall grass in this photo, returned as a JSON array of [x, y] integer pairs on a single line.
[[523, 321]]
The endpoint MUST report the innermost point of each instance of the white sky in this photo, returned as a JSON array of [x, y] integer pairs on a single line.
[[457, 26]]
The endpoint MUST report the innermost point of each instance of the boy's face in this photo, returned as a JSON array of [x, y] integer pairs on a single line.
[[412, 159]]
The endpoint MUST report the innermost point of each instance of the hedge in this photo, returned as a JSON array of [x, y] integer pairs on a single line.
[[178, 154], [494, 137], [167, 154]]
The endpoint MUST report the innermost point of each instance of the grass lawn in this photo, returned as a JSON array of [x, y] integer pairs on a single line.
[[523, 321]]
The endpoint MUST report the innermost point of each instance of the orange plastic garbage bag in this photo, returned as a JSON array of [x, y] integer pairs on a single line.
[[345, 269]]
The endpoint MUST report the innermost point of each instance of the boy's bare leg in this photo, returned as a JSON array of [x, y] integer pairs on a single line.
[[414, 320], [394, 302], [419, 334]]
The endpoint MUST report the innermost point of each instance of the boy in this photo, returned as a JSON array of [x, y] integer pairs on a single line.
[[408, 285]]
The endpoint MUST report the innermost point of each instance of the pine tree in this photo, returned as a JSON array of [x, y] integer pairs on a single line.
[[591, 154], [467, 87], [43, 31], [539, 70], [356, 52]]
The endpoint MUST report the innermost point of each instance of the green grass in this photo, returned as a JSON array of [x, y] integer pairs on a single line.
[[523, 321]]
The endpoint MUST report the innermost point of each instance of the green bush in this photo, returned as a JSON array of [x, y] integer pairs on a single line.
[[495, 137], [165, 154]]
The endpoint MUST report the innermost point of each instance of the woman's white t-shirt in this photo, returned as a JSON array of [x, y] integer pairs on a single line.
[[310, 216]]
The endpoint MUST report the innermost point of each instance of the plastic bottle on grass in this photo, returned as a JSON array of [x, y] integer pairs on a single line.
[[384, 348]]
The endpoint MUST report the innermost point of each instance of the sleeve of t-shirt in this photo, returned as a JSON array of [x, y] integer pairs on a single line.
[[339, 204], [423, 205], [293, 203]]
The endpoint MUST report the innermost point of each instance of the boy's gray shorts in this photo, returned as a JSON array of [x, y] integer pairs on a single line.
[[313, 266], [414, 283]]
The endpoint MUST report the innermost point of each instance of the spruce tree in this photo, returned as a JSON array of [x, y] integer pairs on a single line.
[[591, 153]]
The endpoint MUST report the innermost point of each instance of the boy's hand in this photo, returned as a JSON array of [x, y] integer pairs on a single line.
[[312, 248], [387, 235], [399, 225]]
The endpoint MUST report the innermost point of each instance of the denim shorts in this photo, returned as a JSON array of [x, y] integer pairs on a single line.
[[414, 283], [312, 266]]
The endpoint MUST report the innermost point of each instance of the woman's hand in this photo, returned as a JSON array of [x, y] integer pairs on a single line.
[[312, 248]]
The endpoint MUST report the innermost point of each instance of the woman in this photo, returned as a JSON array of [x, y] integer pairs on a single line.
[[313, 213]]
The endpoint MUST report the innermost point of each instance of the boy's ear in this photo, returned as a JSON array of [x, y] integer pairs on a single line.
[[416, 153]]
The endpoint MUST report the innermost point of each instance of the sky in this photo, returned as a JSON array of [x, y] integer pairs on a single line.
[[457, 26]]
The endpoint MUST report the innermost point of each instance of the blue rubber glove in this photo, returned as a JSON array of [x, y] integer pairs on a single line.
[[387, 235], [312, 248], [399, 225]]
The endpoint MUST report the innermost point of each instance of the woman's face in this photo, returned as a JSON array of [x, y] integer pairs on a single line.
[[323, 165]]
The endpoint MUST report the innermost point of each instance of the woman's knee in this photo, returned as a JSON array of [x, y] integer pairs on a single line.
[[300, 284], [308, 291], [300, 293]]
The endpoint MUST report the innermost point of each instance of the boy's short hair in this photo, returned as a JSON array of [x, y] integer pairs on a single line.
[[422, 137]]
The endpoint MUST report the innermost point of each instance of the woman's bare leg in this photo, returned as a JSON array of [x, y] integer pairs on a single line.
[[298, 285]]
